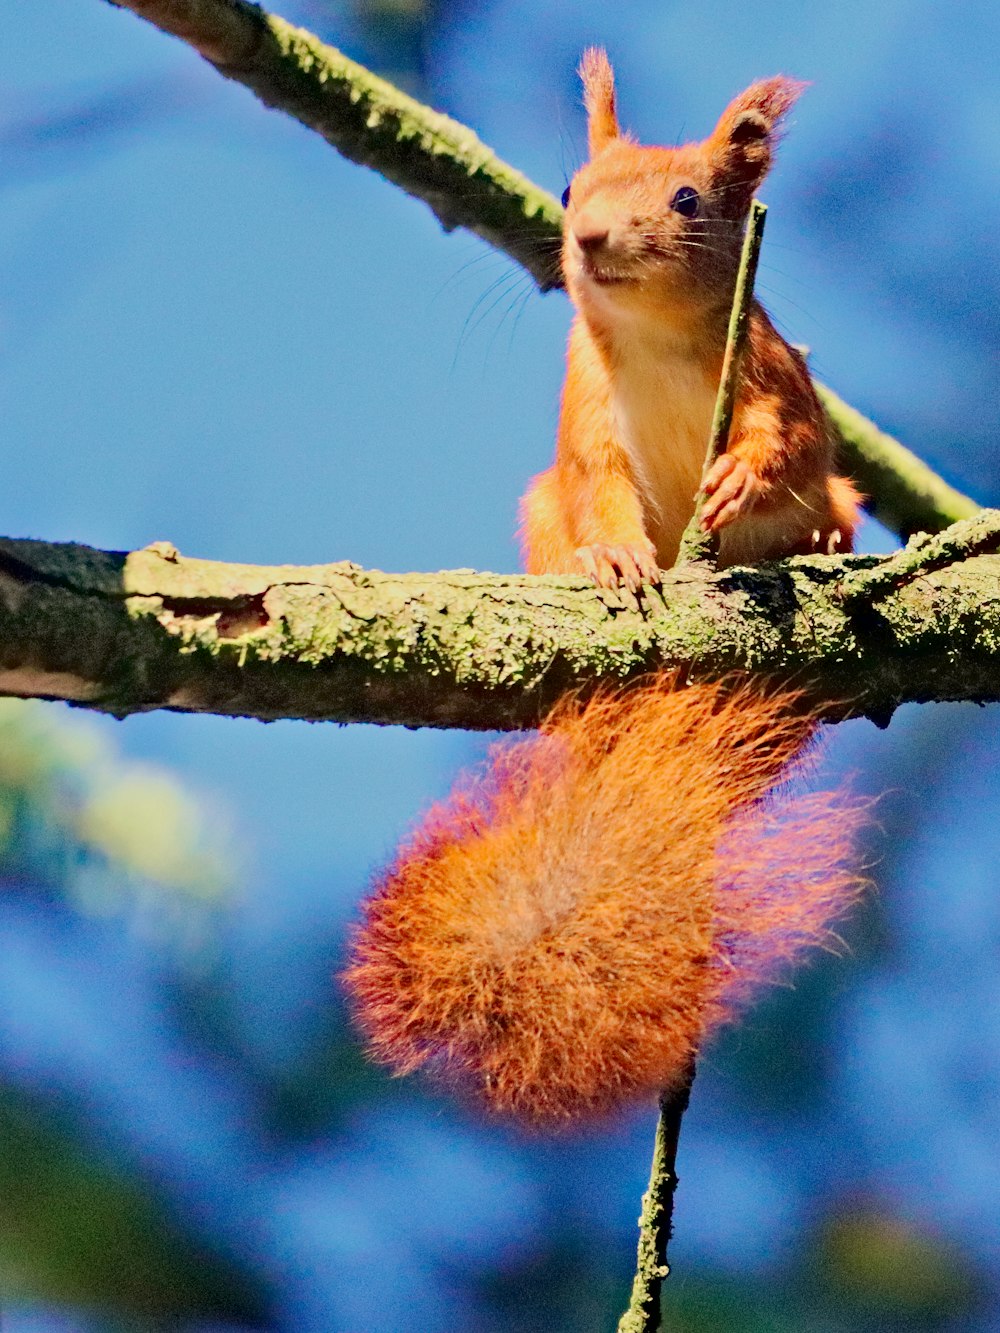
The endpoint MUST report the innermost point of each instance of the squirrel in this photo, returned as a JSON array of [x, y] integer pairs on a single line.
[[560, 936], [651, 246]]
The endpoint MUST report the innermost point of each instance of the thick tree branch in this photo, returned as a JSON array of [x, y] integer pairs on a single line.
[[442, 162], [130, 632]]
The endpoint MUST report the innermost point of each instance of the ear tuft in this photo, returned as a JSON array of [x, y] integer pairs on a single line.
[[743, 141], [599, 98], [771, 99]]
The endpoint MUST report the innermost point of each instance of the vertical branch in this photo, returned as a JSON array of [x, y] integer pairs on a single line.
[[695, 544], [656, 1221]]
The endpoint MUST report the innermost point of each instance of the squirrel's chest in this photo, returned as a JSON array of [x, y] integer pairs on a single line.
[[663, 405]]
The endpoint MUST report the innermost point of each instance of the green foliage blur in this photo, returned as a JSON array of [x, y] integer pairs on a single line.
[[109, 834], [84, 831]]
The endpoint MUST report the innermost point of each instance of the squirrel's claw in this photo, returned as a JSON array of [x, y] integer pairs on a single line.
[[731, 487], [616, 566]]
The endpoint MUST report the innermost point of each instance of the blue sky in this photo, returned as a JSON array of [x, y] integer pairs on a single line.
[[214, 331]]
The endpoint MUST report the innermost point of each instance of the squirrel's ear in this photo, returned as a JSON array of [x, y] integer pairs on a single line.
[[742, 144], [599, 98]]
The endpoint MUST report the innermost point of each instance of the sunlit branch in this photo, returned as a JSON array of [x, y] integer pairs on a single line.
[[152, 629]]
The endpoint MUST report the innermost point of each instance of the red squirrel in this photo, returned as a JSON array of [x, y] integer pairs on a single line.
[[562, 934], [651, 246]]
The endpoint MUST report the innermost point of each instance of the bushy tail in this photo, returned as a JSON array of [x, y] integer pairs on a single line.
[[563, 933]]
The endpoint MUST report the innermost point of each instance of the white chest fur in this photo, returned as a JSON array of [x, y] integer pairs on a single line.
[[663, 401]]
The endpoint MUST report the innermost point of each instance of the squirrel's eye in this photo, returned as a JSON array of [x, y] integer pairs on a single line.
[[685, 202], [565, 197]]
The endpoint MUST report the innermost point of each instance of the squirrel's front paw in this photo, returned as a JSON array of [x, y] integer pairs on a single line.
[[614, 566], [731, 488]]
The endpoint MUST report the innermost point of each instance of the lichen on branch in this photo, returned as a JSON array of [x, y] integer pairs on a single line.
[[153, 629]]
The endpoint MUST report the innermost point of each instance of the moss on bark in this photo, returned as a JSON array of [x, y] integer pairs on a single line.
[[154, 629]]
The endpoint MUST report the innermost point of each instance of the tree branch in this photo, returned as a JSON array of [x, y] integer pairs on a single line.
[[696, 544], [902, 492], [127, 633], [442, 162], [656, 1221], [429, 155]]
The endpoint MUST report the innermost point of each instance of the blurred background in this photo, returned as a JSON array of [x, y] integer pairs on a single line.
[[214, 331]]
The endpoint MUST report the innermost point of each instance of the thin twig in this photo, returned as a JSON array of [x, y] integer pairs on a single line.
[[696, 544], [656, 1222]]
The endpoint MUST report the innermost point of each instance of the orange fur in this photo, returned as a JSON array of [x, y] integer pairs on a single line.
[[652, 290], [599, 98], [562, 935]]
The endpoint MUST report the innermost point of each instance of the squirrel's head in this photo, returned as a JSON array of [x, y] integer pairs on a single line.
[[657, 230]]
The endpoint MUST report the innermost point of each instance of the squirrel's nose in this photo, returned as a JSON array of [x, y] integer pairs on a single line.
[[591, 232]]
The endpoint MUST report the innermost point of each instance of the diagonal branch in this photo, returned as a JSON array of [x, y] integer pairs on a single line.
[[425, 153], [442, 162], [903, 493], [152, 629]]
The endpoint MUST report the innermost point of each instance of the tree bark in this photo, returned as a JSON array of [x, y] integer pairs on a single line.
[[127, 633]]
